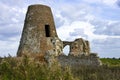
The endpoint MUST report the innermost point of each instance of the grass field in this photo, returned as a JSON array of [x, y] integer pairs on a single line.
[[111, 61], [11, 69]]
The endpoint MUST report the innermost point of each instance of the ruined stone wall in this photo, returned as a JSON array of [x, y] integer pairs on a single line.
[[77, 61], [39, 40], [56, 46], [78, 47]]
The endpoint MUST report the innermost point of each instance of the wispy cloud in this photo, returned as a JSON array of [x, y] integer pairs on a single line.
[[118, 3], [95, 20]]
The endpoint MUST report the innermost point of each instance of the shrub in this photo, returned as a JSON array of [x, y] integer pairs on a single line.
[[12, 69], [27, 69]]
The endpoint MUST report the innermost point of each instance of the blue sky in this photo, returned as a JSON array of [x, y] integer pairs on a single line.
[[95, 20]]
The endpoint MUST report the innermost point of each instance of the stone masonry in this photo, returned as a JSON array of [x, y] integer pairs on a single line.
[[39, 33], [39, 37], [78, 47]]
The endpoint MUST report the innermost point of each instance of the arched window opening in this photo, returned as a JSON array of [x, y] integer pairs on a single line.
[[66, 50]]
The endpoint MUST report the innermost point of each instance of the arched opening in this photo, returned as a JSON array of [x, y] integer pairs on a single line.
[[66, 50]]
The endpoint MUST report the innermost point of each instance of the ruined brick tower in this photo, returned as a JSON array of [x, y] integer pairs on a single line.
[[39, 33]]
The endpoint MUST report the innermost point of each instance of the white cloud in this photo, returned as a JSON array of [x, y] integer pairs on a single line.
[[118, 3], [108, 47], [74, 19], [64, 31], [9, 47], [85, 27], [11, 24], [109, 2], [92, 1], [110, 28], [104, 2], [77, 12]]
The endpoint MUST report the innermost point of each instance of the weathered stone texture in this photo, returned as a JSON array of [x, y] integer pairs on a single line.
[[76, 61], [39, 16], [38, 28], [78, 47], [39, 40]]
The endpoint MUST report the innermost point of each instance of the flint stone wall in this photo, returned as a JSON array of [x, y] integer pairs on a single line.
[[39, 29], [39, 40], [78, 47], [76, 61]]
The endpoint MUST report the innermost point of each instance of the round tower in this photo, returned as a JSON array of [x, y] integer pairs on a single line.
[[38, 28]]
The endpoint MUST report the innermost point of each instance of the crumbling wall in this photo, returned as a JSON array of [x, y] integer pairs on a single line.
[[78, 47], [57, 46], [39, 40], [76, 61]]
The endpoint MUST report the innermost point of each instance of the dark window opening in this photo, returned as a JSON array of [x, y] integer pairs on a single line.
[[54, 50], [47, 30]]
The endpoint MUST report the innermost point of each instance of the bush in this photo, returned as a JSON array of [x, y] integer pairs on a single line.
[[12, 69], [27, 69]]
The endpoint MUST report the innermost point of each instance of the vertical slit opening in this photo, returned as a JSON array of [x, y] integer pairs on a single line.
[[47, 30]]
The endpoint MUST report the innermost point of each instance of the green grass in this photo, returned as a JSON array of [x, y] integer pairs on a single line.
[[25, 69], [110, 61], [11, 69]]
